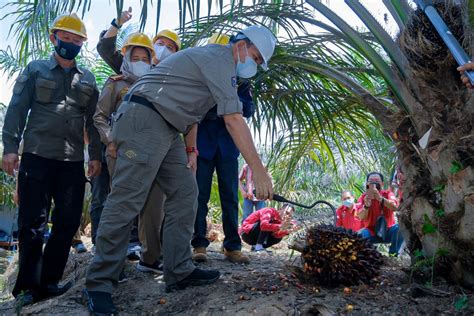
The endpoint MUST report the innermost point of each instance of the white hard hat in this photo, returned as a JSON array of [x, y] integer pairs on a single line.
[[263, 39]]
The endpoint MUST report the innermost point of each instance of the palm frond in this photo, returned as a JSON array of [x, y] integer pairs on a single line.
[[400, 11], [381, 35]]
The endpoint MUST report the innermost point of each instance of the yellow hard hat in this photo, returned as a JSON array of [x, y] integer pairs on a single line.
[[218, 38], [170, 35], [70, 23], [138, 39]]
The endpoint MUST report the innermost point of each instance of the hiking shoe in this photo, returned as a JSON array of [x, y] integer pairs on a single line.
[[122, 277], [80, 248], [236, 256], [51, 290], [156, 267], [200, 254], [99, 303], [197, 278]]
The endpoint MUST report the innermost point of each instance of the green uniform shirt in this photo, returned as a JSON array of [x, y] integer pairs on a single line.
[[55, 105], [187, 84]]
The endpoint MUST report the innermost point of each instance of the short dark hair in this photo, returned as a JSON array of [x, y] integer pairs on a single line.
[[239, 37], [374, 173]]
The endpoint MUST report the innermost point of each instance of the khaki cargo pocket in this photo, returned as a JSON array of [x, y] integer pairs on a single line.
[[129, 169], [45, 90]]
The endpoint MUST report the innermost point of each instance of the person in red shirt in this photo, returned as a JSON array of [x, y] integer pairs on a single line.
[[267, 226], [346, 213], [374, 203]]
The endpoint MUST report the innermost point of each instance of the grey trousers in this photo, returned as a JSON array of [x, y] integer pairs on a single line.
[[149, 225], [149, 151], [149, 221]]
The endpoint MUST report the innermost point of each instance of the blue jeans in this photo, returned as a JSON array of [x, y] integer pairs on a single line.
[[100, 188], [249, 205], [393, 236], [227, 178]]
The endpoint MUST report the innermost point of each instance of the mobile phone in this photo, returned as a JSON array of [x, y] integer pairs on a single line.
[[371, 188]]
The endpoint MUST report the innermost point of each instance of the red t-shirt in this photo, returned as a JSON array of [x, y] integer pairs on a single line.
[[270, 221], [347, 218], [375, 211]]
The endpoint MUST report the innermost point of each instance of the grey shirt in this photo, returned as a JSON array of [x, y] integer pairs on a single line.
[[187, 84], [55, 106]]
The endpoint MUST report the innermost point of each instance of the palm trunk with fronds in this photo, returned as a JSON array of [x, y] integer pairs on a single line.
[[437, 213]]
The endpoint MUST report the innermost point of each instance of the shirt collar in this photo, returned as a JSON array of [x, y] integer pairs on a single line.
[[53, 63]]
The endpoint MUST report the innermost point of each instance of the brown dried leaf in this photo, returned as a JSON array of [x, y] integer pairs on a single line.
[[469, 199], [435, 151], [458, 180]]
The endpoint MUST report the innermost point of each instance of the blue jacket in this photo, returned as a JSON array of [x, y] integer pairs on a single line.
[[212, 134]]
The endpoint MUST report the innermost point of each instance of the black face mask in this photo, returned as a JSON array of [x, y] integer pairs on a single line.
[[66, 50], [377, 185]]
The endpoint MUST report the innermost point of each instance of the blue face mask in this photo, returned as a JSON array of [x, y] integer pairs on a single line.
[[348, 203], [66, 50], [248, 68]]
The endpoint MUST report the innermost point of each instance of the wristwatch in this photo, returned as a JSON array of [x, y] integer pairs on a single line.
[[192, 150], [114, 24]]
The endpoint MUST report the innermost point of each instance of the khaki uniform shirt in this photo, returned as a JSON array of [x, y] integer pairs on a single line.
[[109, 100], [187, 84], [55, 106]]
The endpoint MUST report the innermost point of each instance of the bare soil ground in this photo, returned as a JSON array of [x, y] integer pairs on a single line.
[[266, 286]]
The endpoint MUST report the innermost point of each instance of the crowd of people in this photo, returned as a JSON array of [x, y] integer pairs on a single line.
[[373, 214], [149, 163], [156, 133]]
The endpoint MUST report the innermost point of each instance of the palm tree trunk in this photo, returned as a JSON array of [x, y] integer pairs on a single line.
[[437, 214]]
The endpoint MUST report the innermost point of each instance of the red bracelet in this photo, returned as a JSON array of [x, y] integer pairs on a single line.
[[192, 150]]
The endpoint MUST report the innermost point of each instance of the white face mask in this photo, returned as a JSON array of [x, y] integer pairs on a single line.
[[139, 68], [348, 202], [162, 52]]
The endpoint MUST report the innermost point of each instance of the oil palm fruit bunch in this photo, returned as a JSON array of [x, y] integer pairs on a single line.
[[333, 256], [421, 42]]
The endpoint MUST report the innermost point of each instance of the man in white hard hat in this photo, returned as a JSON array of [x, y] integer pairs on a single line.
[[169, 100]]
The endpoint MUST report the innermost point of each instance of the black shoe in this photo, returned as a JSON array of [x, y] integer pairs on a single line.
[[133, 253], [51, 290], [99, 303], [122, 277], [197, 277], [156, 267], [80, 248], [24, 299], [133, 256]]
